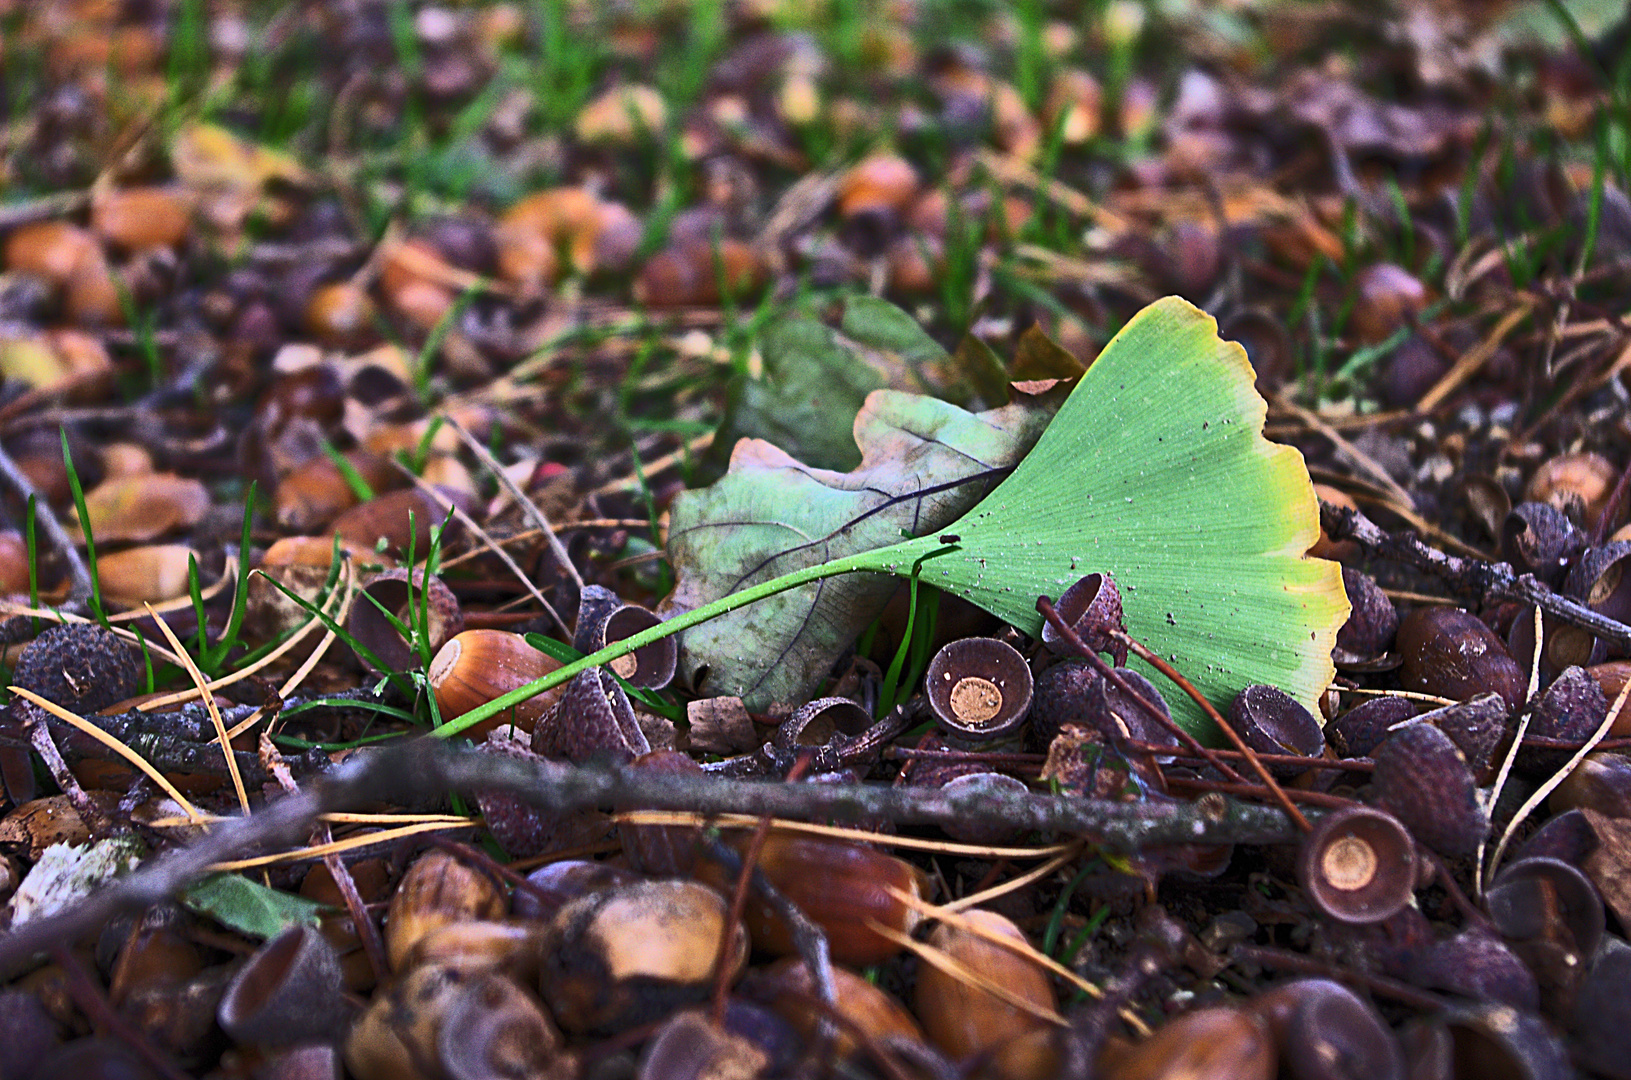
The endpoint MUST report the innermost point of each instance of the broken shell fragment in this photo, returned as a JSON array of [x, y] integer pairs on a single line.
[[980, 688]]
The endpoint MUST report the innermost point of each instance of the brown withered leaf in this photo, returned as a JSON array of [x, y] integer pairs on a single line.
[[923, 463]]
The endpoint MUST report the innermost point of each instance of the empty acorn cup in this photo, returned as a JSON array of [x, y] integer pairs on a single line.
[[980, 688], [1358, 865], [1091, 608], [289, 992], [404, 599], [652, 665]]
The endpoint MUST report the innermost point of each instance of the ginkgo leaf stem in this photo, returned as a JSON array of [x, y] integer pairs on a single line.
[[879, 560]]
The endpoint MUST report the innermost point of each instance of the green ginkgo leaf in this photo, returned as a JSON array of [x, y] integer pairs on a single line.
[[1155, 469]]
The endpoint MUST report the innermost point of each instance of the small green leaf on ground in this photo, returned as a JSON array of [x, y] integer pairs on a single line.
[[250, 908]]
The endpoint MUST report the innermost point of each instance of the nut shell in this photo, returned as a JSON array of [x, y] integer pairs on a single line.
[[477, 666], [437, 890], [628, 955], [961, 1016], [840, 886]]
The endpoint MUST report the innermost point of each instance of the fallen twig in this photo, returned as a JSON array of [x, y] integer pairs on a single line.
[[1487, 580]]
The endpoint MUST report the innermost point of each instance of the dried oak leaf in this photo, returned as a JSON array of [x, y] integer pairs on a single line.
[[923, 463]]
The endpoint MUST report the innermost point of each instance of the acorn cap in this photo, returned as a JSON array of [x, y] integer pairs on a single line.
[[980, 688], [1372, 623], [1360, 730], [1540, 897], [1092, 608], [1537, 539], [403, 597], [594, 720], [1475, 964], [820, 722], [1358, 865], [1423, 780], [1499, 1041], [1327, 1032], [652, 665], [1271, 721], [81, 666], [289, 992]]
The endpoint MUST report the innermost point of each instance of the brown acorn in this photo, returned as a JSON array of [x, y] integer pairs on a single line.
[[339, 314], [1386, 295], [840, 885], [1479, 728], [1423, 779], [391, 522], [963, 1018], [627, 955], [395, 1038], [495, 1029], [1358, 865], [979, 688], [437, 890], [872, 197], [1452, 653], [142, 217], [51, 250], [699, 274], [476, 666], [316, 492], [1075, 104]]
